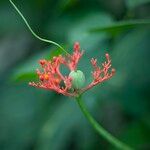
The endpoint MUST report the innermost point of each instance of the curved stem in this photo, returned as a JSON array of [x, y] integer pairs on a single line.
[[33, 33], [100, 130]]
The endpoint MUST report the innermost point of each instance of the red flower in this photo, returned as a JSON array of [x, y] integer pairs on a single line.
[[52, 79]]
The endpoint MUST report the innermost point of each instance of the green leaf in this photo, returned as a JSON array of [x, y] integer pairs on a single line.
[[58, 128], [135, 3], [26, 71], [21, 110], [137, 134], [118, 27], [130, 57], [79, 31], [8, 16]]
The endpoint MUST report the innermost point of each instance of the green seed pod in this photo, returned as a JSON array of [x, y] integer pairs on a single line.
[[78, 79]]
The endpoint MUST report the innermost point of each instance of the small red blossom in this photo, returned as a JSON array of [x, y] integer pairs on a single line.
[[50, 78]]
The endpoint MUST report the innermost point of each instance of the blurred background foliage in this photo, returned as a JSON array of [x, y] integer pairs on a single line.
[[34, 119]]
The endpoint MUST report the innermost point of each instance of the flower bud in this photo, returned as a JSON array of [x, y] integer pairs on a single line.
[[78, 79], [77, 46]]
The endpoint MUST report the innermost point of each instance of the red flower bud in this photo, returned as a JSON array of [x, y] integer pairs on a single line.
[[76, 46]]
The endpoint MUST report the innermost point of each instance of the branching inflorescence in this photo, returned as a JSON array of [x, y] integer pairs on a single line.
[[51, 78]]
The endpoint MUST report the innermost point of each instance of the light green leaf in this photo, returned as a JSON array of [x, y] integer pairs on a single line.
[[131, 59], [26, 71], [135, 3], [57, 129], [79, 32], [118, 27]]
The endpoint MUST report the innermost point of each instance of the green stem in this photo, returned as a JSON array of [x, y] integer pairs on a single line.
[[33, 33], [101, 131]]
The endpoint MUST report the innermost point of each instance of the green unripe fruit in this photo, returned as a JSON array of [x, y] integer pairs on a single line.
[[78, 79]]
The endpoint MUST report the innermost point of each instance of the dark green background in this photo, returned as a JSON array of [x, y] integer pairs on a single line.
[[35, 119]]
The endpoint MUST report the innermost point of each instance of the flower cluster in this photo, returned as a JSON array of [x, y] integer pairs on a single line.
[[51, 78]]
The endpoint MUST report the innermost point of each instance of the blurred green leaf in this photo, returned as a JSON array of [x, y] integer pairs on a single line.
[[59, 127], [135, 3], [66, 123], [64, 4], [26, 71], [137, 135], [21, 110], [25, 77], [79, 31], [118, 27], [8, 16], [131, 59]]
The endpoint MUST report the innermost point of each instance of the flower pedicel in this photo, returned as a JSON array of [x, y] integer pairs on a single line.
[[51, 78]]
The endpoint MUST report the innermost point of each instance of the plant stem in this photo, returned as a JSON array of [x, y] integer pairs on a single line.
[[101, 131], [33, 33]]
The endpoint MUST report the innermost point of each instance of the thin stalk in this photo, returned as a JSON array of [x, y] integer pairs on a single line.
[[100, 130], [33, 33]]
